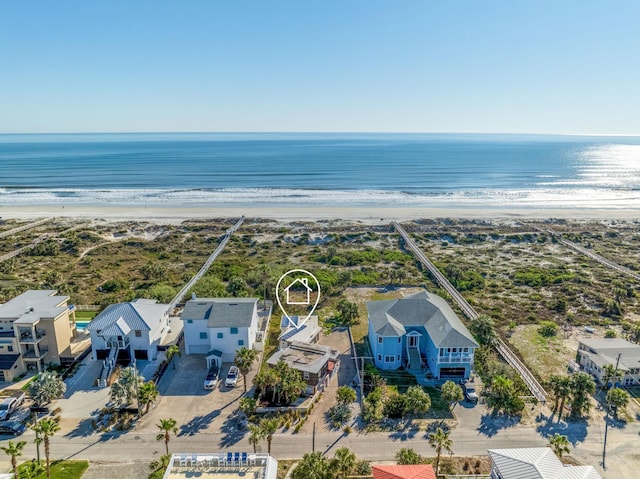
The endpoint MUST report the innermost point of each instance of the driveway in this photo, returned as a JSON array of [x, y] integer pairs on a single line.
[[195, 409]]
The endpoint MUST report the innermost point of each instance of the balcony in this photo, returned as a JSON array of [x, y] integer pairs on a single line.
[[27, 336], [34, 354], [117, 343], [456, 358]]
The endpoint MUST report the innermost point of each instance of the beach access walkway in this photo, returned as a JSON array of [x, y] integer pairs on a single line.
[[594, 256], [225, 239], [527, 376]]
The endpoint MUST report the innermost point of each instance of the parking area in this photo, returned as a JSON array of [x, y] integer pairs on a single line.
[[196, 409]]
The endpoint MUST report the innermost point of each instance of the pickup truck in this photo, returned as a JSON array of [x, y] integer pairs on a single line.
[[7, 406]]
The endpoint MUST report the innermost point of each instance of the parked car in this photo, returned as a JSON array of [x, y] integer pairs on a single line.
[[232, 377], [469, 391], [7, 406], [12, 428], [211, 380]]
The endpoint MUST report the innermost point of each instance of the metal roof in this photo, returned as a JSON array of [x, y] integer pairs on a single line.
[[392, 317], [7, 361], [221, 312], [137, 315], [407, 471], [536, 463], [605, 351]]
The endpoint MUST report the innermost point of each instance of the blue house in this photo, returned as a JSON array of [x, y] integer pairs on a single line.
[[421, 333]]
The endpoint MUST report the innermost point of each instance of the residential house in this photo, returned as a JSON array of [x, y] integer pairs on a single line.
[[595, 354], [422, 333], [406, 471], [218, 327], [315, 362], [535, 463], [222, 465], [36, 328], [298, 328], [129, 330]]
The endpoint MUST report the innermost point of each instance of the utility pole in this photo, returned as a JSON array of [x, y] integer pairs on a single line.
[[606, 424]]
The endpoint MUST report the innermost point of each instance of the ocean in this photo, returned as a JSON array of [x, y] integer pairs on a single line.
[[262, 169]]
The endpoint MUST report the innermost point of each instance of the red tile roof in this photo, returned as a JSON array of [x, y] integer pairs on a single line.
[[413, 471]]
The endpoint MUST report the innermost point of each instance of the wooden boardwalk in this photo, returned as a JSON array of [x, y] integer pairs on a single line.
[[509, 356], [594, 256], [205, 266], [19, 229]]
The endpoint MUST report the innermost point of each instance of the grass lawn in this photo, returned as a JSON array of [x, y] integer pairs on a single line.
[[86, 315], [546, 356], [63, 469]]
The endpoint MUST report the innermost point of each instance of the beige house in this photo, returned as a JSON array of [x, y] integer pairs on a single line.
[[35, 330]]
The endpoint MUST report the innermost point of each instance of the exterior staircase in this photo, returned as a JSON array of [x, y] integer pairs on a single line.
[[415, 362], [108, 366]]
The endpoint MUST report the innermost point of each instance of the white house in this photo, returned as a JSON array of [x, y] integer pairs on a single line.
[[218, 327], [135, 328], [535, 463], [595, 354]]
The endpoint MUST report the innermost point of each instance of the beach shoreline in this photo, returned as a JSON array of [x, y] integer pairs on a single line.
[[368, 215]]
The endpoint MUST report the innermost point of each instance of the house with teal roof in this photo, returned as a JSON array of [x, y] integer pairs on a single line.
[[421, 333]]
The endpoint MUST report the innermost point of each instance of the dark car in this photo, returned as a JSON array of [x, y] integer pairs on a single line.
[[12, 428], [211, 380]]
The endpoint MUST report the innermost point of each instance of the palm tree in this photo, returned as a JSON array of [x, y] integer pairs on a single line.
[[265, 379], [173, 351], [166, 427], [124, 390], [269, 426], [244, 359], [312, 466], [617, 398], [483, 328], [610, 375], [14, 450], [408, 456], [46, 387], [452, 393], [147, 395], [256, 434], [417, 400], [31, 470], [342, 463], [440, 440], [559, 444], [564, 392], [582, 387], [46, 428]]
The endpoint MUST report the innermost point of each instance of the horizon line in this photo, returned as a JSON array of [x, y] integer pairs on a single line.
[[317, 132]]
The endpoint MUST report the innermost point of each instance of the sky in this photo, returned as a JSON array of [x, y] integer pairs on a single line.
[[554, 67]]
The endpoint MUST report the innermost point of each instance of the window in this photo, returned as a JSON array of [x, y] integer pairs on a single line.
[[138, 333], [189, 321], [399, 340], [240, 342], [388, 359], [380, 339], [203, 335], [379, 357], [220, 335], [10, 348], [398, 358], [441, 352], [466, 350], [234, 330]]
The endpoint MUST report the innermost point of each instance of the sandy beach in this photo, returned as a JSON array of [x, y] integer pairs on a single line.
[[173, 214]]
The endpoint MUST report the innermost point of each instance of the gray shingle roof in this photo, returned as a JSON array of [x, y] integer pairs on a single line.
[[137, 315], [7, 361], [221, 312], [392, 317]]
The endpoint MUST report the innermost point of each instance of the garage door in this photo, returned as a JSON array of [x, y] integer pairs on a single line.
[[452, 372], [141, 354]]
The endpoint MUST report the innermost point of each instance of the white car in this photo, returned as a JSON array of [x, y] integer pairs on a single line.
[[232, 377], [211, 380]]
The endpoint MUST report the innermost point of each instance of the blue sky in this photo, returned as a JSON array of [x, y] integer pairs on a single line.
[[397, 66]]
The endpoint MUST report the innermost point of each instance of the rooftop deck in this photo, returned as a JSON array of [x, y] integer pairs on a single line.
[[226, 465]]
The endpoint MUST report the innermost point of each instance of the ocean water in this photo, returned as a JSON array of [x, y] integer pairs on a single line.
[[427, 170]]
